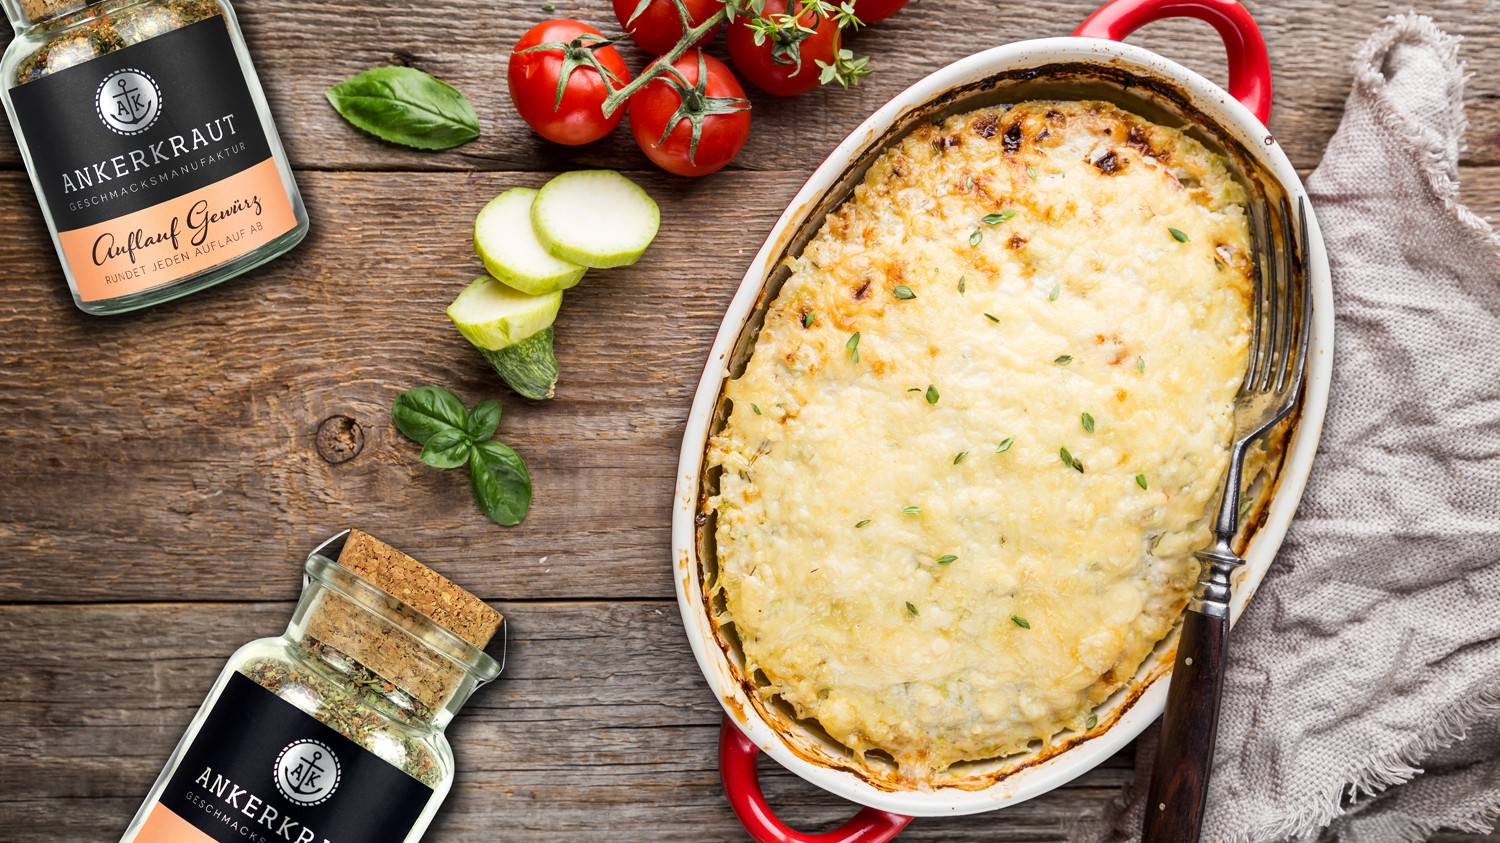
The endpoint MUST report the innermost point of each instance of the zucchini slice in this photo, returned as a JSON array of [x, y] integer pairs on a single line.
[[597, 218], [492, 316], [504, 240], [529, 366]]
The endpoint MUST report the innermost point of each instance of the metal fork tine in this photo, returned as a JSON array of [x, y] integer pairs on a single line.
[[1286, 340], [1304, 332], [1257, 338], [1272, 297], [1254, 300]]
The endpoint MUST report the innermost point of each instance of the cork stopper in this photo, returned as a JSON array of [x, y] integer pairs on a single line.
[[380, 643], [438, 598]]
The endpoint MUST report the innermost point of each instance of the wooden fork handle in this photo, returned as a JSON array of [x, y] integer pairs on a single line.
[[1179, 778]]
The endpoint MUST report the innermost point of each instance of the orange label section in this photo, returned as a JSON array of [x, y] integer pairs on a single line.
[[163, 826], [179, 237]]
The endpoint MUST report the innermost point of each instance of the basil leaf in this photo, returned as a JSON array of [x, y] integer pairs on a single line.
[[484, 420], [502, 488], [422, 412], [406, 106], [447, 449]]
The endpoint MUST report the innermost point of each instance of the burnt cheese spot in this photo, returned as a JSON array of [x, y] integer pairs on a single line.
[[1137, 138], [1015, 242], [1109, 163], [985, 126], [863, 292], [1012, 138]]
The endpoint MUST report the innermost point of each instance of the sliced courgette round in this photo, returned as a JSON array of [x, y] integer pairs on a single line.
[[492, 315], [597, 218], [505, 241]]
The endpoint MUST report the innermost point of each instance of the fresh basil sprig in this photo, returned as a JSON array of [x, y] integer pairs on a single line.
[[451, 435], [406, 106]]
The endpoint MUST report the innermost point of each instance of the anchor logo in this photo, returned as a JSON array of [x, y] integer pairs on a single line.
[[128, 101], [307, 772]]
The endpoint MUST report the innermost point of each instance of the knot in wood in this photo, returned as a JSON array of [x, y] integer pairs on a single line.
[[339, 439]]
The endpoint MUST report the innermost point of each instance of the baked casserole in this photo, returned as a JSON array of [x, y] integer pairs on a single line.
[[981, 431]]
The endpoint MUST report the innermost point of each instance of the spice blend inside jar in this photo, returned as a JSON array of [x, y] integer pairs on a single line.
[[150, 145], [333, 731]]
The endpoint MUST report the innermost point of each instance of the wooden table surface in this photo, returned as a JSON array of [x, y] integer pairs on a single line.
[[163, 475]]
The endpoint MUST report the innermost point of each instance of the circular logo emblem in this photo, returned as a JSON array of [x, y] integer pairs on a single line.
[[128, 101], [307, 772]]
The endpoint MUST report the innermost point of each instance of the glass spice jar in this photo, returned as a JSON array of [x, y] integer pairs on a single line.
[[149, 144], [333, 731]]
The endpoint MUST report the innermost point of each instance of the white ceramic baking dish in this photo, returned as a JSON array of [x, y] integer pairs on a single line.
[[1092, 64]]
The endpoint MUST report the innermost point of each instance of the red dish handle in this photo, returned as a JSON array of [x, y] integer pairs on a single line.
[[1249, 66], [737, 756]]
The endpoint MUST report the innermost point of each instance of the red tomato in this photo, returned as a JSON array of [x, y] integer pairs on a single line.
[[874, 11], [557, 89], [657, 27], [666, 115], [786, 63]]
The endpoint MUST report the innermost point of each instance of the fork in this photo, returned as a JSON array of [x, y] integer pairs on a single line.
[[1270, 391]]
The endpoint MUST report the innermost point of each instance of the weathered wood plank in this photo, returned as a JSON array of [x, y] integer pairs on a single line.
[[194, 425], [302, 48], [139, 446], [600, 728]]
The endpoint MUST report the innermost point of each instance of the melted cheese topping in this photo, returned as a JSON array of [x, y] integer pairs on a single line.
[[905, 553]]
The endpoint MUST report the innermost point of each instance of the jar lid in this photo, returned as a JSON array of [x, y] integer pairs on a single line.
[[431, 594]]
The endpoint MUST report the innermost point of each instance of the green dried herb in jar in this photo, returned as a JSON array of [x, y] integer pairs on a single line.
[[150, 145], [335, 730]]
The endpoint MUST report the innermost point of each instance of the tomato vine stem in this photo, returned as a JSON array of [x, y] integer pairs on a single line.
[[618, 96]]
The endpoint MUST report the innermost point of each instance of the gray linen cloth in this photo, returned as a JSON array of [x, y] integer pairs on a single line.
[[1362, 697]]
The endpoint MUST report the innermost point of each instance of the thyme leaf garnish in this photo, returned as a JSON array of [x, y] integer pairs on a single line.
[[1005, 444], [932, 394], [1179, 235], [1088, 422], [1020, 621], [903, 292], [1140, 480]]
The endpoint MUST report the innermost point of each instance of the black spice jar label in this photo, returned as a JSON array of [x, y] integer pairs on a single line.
[[152, 161], [262, 770]]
